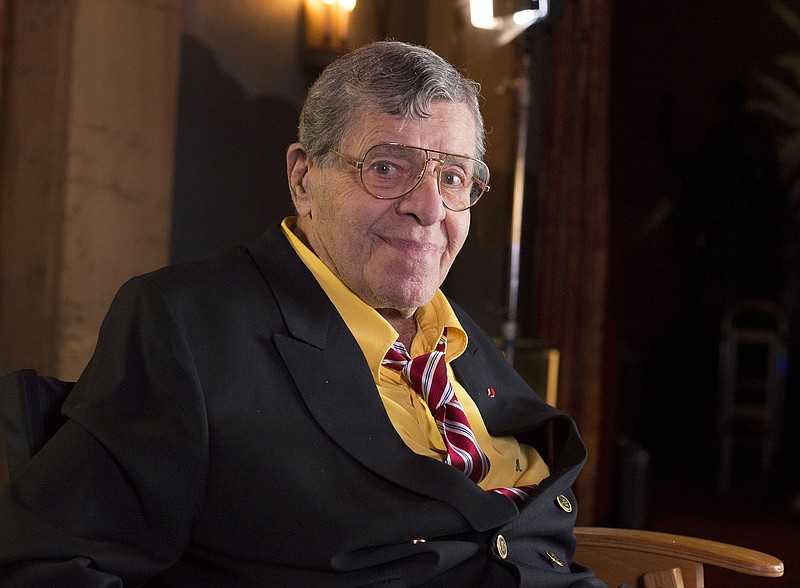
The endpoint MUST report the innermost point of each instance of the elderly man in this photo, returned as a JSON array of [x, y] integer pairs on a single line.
[[312, 410]]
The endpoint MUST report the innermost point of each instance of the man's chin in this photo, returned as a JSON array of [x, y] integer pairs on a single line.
[[407, 300]]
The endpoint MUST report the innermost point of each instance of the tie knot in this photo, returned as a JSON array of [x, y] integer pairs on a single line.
[[398, 357], [427, 373]]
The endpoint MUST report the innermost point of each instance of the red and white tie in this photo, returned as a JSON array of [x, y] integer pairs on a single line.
[[427, 375]]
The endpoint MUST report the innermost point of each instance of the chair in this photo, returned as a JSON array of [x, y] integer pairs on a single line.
[[538, 363], [30, 414], [648, 559]]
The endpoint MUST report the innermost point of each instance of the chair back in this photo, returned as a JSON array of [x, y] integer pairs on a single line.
[[30, 411]]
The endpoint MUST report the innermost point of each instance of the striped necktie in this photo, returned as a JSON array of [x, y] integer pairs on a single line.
[[427, 375]]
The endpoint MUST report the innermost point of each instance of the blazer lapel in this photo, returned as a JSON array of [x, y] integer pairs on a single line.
[[335, 383]]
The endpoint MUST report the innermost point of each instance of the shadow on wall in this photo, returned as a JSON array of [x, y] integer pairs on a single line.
[[230, 171]]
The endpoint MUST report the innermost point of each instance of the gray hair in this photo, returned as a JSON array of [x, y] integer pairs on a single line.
[[387, 76]]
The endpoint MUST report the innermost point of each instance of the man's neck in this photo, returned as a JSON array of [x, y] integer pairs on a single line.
[[406, 326]]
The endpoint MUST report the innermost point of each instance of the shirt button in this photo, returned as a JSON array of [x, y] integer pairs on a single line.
[[502, 547]]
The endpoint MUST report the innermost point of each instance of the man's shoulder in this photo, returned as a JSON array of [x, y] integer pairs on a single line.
[[229, 268], [194, 278], [231, 275]]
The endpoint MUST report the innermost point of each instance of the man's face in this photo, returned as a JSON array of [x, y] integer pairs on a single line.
[[393, 254]]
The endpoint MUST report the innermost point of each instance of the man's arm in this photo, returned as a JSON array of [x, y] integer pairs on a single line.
[[111, 497]]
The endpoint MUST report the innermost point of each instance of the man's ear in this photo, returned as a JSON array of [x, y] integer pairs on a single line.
[[297, 168]]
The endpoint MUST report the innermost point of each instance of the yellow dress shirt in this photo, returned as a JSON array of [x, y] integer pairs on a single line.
[[512, 463]]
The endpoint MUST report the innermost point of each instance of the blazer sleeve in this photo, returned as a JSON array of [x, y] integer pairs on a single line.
[[111, 497]]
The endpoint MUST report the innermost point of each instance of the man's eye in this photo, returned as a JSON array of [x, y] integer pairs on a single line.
[[384, 168], [452, 178]]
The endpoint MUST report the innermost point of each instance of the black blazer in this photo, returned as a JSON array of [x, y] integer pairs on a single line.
[[227, 432]]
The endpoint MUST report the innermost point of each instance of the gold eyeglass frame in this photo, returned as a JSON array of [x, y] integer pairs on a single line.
[[359, 165]]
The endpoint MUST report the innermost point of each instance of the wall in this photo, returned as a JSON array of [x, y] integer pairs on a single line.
[[241, 84], [89, 102], [86, 157]]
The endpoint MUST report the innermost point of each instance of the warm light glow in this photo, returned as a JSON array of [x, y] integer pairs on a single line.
[[524, 17], [481, 15], [327, 24]]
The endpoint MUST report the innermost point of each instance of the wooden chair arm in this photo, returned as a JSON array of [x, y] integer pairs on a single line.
[[624, 555]]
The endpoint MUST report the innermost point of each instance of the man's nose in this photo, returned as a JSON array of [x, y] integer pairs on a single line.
[[425, 201]]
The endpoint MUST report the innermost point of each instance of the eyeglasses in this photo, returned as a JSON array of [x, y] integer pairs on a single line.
[[390, 170]]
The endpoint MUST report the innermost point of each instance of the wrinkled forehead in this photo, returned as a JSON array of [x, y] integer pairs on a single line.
[[451, 128]]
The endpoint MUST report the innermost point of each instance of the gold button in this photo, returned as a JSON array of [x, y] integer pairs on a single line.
[[554, 558], [564, 503], [502, 547]]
